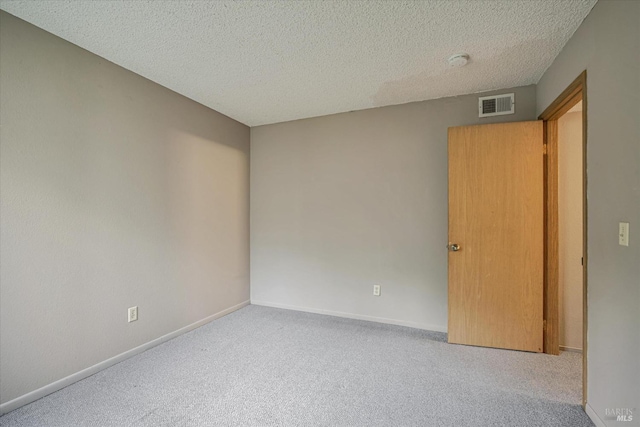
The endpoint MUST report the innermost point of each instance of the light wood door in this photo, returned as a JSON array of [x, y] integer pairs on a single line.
[[496, 218]]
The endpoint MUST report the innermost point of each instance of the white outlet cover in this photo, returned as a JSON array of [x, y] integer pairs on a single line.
[[623, 234], [132, 314]]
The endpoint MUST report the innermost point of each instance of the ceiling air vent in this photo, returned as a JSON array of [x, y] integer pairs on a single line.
[[497, 105]]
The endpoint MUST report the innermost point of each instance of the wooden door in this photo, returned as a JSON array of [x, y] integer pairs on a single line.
[[496, 220]]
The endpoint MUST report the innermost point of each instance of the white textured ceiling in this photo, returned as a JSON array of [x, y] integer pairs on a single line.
[[263, 62]]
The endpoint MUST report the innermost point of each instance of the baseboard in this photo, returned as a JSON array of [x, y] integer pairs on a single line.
[[571, 349], [594, 417], [64, 382], [407, 323]]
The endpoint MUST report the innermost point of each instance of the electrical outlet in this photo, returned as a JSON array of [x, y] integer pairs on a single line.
[[133, 314], [376, 290], [623, 234]]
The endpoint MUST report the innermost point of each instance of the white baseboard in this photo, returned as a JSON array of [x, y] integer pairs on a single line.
[[62, 383], [571, 349], [407, 323], [594, 417]]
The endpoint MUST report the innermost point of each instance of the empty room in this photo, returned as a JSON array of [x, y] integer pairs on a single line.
[[319, 213]]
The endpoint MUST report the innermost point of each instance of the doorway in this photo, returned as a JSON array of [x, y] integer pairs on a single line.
[[490, 302], [572, 99], [570, 226]]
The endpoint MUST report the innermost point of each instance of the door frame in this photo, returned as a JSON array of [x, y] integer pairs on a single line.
[[575, 92]]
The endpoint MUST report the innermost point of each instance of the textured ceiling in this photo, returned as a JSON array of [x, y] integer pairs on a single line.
[[270, 61]]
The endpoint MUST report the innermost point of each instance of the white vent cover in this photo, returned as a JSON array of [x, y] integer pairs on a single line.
[[497, 105]]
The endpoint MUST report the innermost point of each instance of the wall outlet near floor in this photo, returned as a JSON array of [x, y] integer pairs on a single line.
[[133, 314], [623, 234], [376, 290]]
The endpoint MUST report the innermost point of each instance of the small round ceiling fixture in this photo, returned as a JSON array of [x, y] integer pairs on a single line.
[[458, 60]]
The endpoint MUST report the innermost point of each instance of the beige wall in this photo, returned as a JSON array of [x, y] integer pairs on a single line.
[[570, 229], [115, 192], [340, 203], [607, 45]]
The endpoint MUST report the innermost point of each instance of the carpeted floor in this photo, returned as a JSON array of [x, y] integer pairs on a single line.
[[269, 367]]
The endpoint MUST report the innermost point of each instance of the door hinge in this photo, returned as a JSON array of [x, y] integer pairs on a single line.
[[544, 148], [544, 325]]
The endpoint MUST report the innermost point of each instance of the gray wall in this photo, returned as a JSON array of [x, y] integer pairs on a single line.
[[115, 192], [607, 45], [343, 202]]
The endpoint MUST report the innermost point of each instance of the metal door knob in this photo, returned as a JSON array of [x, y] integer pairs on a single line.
[[453, 247]]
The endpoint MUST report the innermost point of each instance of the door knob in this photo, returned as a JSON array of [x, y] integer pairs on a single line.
[[453, 247]]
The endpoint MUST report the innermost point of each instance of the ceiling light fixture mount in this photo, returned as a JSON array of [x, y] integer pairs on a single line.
[[458, 60]]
